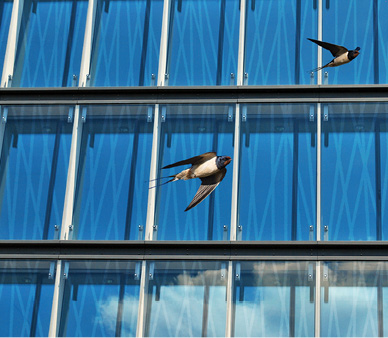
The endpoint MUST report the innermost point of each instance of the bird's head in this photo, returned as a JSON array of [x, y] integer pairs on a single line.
[[223, 161], [354, 53]]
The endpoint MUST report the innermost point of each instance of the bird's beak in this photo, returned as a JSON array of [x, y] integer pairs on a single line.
[[228, 160]]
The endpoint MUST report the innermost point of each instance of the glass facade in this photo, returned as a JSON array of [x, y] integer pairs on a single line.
[[97, 97]]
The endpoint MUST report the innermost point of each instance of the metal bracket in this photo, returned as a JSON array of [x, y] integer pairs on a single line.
[[312, 78], [66, 270], [326, 233], [225, 233], [163, 114], [71, 228], [154, 231], [326, 78], [230, 114], [244, 114], [83, 115], [51, 270], [151, 271], [310, 272], [325, 113], [239, 232], [140, 234], [223, 271], [149, 114], [74, 81], [56, 231], [232, 76], [4, 115], [311, 233], [237, 275], [87, 83], [153, 79], [166, 78], [325, 276], [245, 80], [70, 115], [312, 113], [9, 84], [136, 275]]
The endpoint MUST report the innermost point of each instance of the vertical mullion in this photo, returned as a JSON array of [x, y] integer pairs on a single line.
[[10, 53]]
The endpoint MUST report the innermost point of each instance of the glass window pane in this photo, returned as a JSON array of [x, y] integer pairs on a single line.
[[5, 18], [114, 167], [277, 175], [352, 296], [187, 299], [277, 51], [274, 299], [352, 25], [203, 42], [382, 46], [26, 295], [354, 149], [188, 131], [101, 299], [33, 171], [126, 43], [50, 43]]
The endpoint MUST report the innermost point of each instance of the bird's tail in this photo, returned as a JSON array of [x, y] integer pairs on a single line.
[[160, 178], [317, 69]]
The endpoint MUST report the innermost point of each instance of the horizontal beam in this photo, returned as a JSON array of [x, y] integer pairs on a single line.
[[195, 94], [194, 250]]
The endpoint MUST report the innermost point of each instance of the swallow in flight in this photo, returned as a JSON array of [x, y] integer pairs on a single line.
[[208, 167], [341, 54]]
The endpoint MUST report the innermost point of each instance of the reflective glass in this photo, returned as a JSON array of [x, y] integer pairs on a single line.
[[203, 42], [277, 172], [277, 51], [354, 24], [26, 295], [353, 295], [188, 131], [274, 299], [112, 182], [101, 299], [50, 43], [5, 18], [186, 299], [354, 171], [33, 171], [126, 42]]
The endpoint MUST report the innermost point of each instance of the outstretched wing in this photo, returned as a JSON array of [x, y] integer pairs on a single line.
[[209, 183], [334, 49], [193, 160]]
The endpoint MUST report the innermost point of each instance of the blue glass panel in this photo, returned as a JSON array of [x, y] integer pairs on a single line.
[[351, 24], [187, 299], [50, 43], [382, 46], [126, 42], [352, 299], [5, 18], [112, 188], [277, 51], [274, 299], [278, 170], [33, 171], [191, 130], [26, 295], [353, 164], [100, 299], [203, 43]]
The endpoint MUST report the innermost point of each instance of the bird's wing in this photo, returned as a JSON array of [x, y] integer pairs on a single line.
[[209, 183], [193, 160], [334, 49]]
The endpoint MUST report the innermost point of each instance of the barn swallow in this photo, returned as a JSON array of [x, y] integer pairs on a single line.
[[208, 167], [340, 53]]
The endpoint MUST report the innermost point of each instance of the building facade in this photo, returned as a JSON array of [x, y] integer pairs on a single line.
[[97, 96]]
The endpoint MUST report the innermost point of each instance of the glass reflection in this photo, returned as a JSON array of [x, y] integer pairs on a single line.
[[352, 299], [26, 294], [33, 171], [5, 19], [274, 299], [112, 189], [203, 42], [277, 172], [49, 46], [126, 43], [191, 130], [186, 299], [360, 28], [280, 54], [101, 299], [354, 170]]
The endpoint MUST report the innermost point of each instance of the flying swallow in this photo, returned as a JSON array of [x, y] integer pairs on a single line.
[[340, 53], [208, 167]]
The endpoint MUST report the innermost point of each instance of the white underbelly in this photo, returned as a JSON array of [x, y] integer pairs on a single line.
[[205, 169], [341, 60]]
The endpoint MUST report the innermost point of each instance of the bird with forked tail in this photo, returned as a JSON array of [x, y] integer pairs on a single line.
[[208, 167], [341, 54]]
